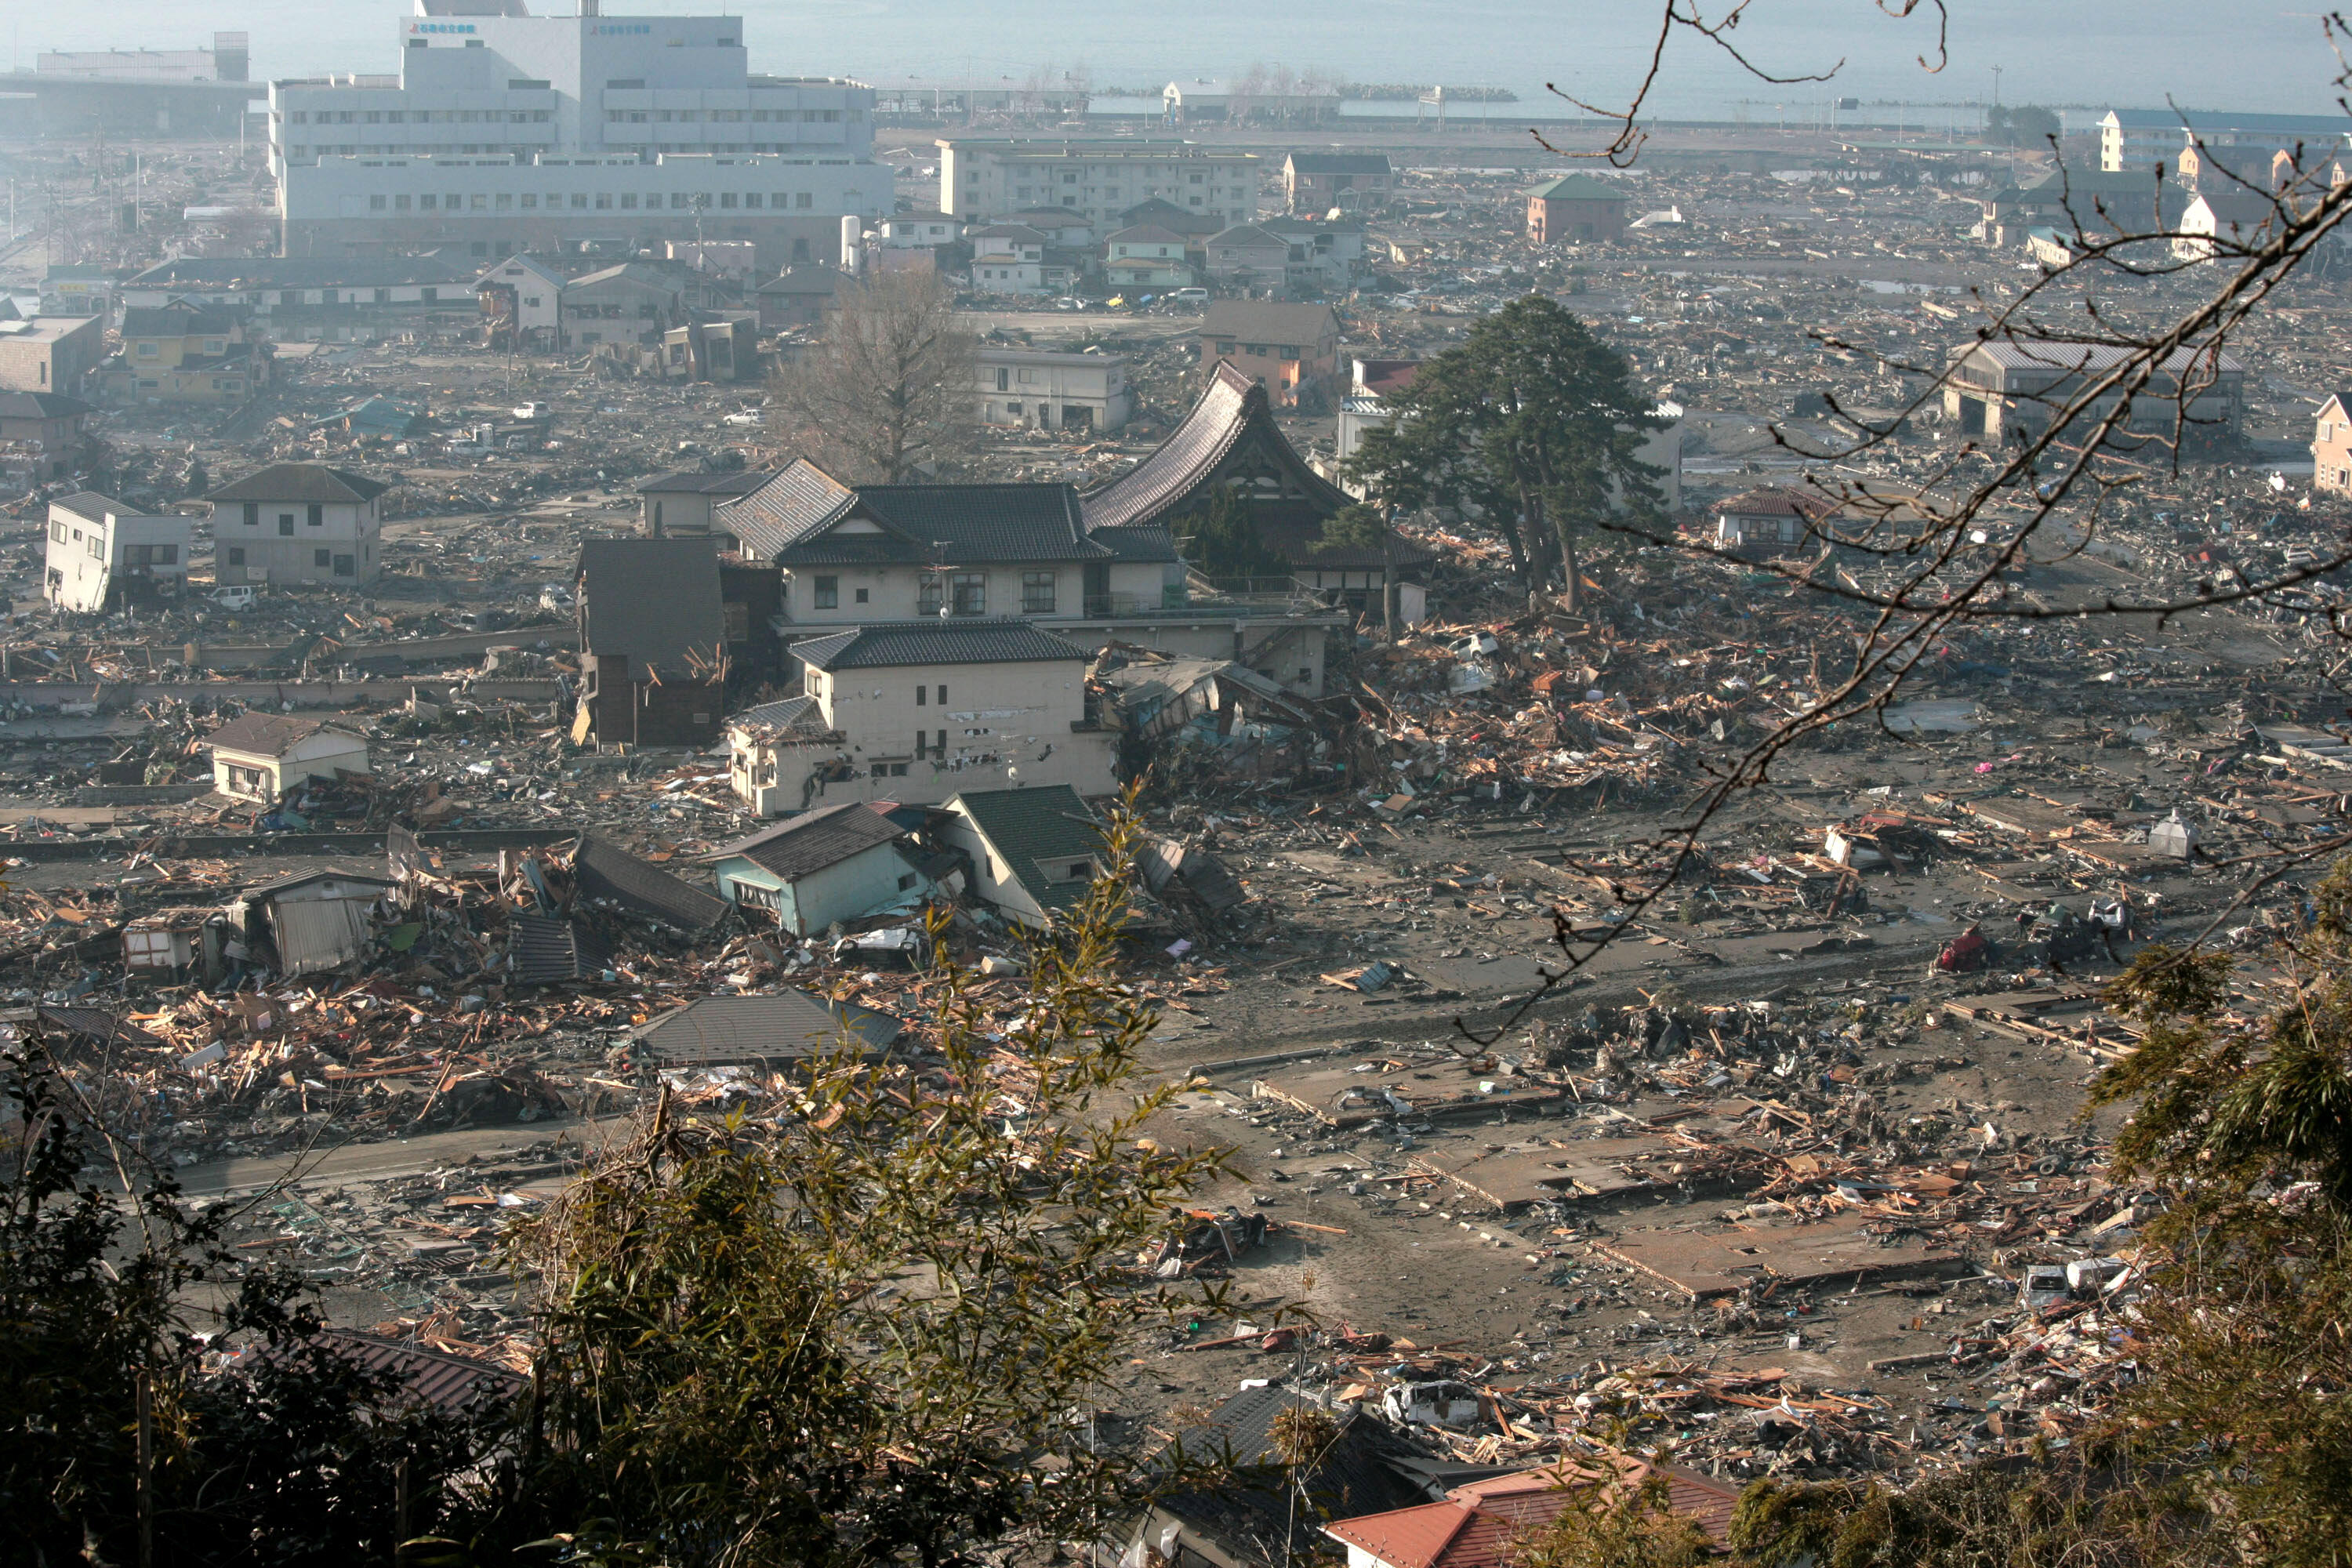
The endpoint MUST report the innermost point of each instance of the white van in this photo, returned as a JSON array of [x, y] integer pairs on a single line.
[[241, 597], [1197, 298]]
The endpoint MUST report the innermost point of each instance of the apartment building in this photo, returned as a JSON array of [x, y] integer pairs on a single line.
[[983, 178], [511, 132], [2136, 138]]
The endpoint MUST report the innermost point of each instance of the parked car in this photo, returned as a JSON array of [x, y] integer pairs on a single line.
[[531, 410], [239, 596], [1196, 298]]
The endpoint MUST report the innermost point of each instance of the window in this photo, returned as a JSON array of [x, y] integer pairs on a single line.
[[343, 568], [322, 558], [862, 596], [377, 203], [804, 199], [1013, 409], [427, 204], [530, 201], [1004, 379], [1036, 593], [400, 203], [147, 351], [939, 695], [922, 697], [318, 515], [97, 547], [286, 524], [57, 533], [253, 514], [236, 554], [753, 198], [828, 594], [970, 590]]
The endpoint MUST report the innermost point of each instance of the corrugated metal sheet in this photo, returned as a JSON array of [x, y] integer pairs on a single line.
[[319, 933], [548, 950], [607, 871], [787, 1027]]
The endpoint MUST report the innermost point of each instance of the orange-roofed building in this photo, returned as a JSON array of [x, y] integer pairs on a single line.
[[1480, 1525]]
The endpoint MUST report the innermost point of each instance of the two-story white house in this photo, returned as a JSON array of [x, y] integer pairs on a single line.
[[531, 294], [914, 712], [1008, 258], [1146, 255], [886, 553], [918, 231], [102, 554], [298, 523], [1052, 391]]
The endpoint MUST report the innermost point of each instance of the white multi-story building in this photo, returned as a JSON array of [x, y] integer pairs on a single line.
[[514, 133], [298, 523], [1102, 181]]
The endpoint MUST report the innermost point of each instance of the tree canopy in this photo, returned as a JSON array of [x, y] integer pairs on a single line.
[[1531, 422], [888, 391]]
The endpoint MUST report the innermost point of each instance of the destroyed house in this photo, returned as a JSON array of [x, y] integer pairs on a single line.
[[262, 755], [1293, 349], [1263, 1514], [879, 553], [774, 1030], [1033, 852], [836, 863], [680, 504], [101, 555], [46, 430], [1229, 441], [1315, 182], [317, 919], [2009, 392], [919, 709], [1765, 521], [652, 640], [606, 873], [183, 353], [1482, 1523], [298, 523], [633, 303]]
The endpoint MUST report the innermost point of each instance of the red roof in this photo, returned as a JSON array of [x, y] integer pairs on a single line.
[[1477, 1525], [1384, 377]]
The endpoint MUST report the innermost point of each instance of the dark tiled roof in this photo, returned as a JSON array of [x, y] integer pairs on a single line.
[[548, 950], [1338, 162], [1033, 829], [694, 481], [301, 483], [895, 645], [93, 506], [1269, 320], [1577, 188], [1249, 234], [301, 272], [262, 734], [651, 600], [797, 715], [1150, 543], [790, 521], [176, 321], [603, 870], [1146, 233], [812, 841], [789, 1026], [1250, 1512], [1165, 484], [40, 405], [807, 280], [799, 501], [1777, 500], [443, 1379]]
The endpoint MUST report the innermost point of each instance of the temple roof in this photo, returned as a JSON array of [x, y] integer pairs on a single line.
[[1232, 411]]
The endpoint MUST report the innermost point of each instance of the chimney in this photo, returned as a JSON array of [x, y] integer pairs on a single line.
[[853, 244]]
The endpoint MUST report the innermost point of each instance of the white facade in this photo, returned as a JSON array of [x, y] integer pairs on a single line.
[[1098, 180], [505, 112], [920, 734], [538, 294], [334, 543], [823, 598], [1008, 277], [253, 776], [95, 547], [1054, 391]]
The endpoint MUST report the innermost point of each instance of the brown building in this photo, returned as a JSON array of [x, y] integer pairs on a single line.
[[50, 353], [1291, 348], [653, 640], [1576, 209], [2331, 446], [42, 432], [1315, 182]]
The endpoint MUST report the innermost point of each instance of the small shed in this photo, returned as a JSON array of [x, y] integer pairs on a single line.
[[836, 863], [262, 755], [318, 920], [164, 944], [770, 1031]]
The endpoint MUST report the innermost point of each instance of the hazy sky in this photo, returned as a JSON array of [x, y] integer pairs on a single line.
[[2203, 53]]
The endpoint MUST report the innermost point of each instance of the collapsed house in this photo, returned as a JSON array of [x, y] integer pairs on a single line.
[[653, 642]]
